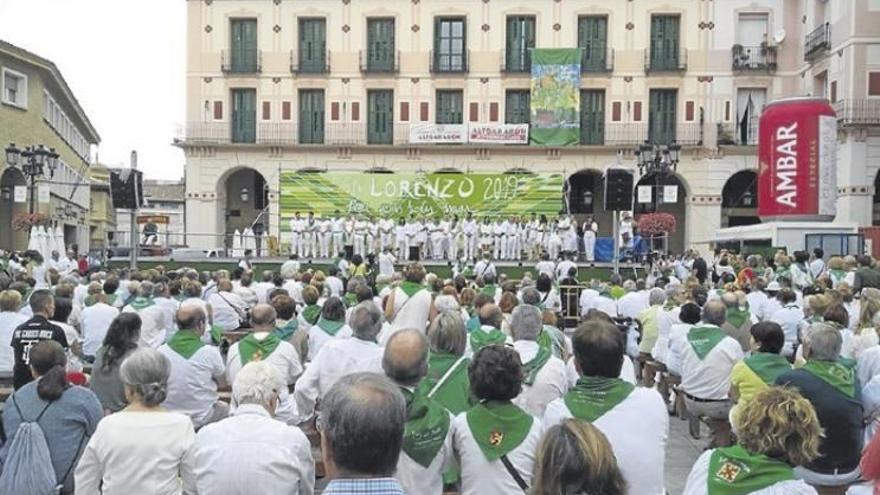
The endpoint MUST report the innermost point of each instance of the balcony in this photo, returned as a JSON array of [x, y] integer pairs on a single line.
[[379, 61], [737, 134], [858, 112], [303, 62], [451, 63], [760, 58], [818, 42], [625, 134], [286, 134], [595, 61], [518, 62], [241, 61], [665, 62]]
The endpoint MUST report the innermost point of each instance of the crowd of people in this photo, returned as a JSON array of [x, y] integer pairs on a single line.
[[175, 381]]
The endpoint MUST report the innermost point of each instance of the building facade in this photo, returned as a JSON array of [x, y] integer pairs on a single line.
[[277, 86], [37, 107], [162, 198], [102, 216]]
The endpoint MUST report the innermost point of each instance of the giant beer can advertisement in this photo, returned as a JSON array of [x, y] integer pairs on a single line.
[[797, 156]]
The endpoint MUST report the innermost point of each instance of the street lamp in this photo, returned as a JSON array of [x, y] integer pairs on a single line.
[[245, 194], [657, 159], [32, 160]]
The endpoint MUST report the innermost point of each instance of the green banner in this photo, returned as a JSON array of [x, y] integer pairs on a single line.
[[396, 195], [556, 101]]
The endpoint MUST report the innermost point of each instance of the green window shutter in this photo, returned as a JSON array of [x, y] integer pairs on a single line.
[[380, 116], [517, 108], [520, 41], [244, 115], [311, 116], [593, 42], [450, 105], [664, 42], [243, 49], [380, 45], [450, 44], [592, 116], [661, 116], [312, 45]]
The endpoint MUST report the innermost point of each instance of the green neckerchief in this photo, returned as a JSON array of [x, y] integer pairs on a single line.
[[670, 305], [489, 290], [427, 424], [350, 300], [216, 334], [838, 274], [533, 367], [287, 330], [552, 338], [767, 366], [311, 313], [140, 303], [594, 396], [736, 471], [252, 349], [410, 288], [616, 292], [180, 297], [704, 339], [455, 392], [186, 343], [473, 324], [498, 427], [329, 326], [784, 272], [737, 316], [481, 338], [838, 375]]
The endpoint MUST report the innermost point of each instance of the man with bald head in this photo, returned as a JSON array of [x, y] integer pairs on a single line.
[[196, 369], [489, 332], [262, 344], [427, 443], [707, 359]]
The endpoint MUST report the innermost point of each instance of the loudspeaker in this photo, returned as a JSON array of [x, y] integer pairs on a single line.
[[618, 189], [127, 188]]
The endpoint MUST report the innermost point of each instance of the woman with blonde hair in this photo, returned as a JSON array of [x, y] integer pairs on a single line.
[[777, 430], [574, 457]]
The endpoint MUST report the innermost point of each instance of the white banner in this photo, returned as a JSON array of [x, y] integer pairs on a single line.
[[438, 134], [20, 194], [644, 194], [499, 133], [43, 197], [670, 194]]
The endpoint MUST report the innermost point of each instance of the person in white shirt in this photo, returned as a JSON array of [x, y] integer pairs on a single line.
[[360, 236], [489, 332], [789, 318], [484, 267], [545, 266], [94, 324], [511, 239], [757, 299], [386, 261], [337, 231], [154, 323], [324, 227], [604, 302], [339, 357], [817, 265], [550, 299], [10, 319], [499, 233], [196, 370], [297, 226], [243, 287], [261, 344], [409, 304], [250, 451], [632, 303], [427, 447], [480, 440], [310, 235], [402, 239], [263, 288], [386, 233], [545, 377], [688, 316], [454, 238], [633, 419], [707, 358], [591, 230], [564, 267], [486, 235], [329, 326], [227, 307]]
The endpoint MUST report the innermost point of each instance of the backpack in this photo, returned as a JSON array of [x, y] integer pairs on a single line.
[[28, 464]]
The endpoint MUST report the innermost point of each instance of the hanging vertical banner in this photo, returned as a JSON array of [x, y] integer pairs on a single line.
[[555, 98], [670, 194], [20, 194], [644, 194], [43, 195]]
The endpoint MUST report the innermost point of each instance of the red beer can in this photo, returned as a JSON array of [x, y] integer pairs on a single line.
[[797, 157]]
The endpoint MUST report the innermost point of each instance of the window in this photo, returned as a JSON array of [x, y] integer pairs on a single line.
[[381, 56], [517, 107], [449, 45], [874, 84], [449, 106], [380, 116], [520, 41], [243, 46], [664, 43], [14, 88], [311, 116], [61, 124], [592, 40], [312, 45], [661, 116], [244, 115], [593, 116], [749, 105]]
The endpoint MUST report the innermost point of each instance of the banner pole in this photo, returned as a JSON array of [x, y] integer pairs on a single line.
[[616, 219]]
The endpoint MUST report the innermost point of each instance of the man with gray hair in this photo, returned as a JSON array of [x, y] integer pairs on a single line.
[[154, 323], [707, 358], [362, 430], [559, 344], [545, 377], [250, 452], [427, 444], [633, 302], [830, 386], [649, 318], [340, 357]]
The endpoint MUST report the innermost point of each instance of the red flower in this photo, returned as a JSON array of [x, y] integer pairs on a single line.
[[656, 224], [29, 220]]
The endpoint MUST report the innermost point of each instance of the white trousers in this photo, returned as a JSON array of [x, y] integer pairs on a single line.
[[500, 250], [338, 244], [296, 243], [325, 244], [590, 245]]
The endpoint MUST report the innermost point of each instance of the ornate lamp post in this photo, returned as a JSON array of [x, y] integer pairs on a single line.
[[659, 161], [33, 161]]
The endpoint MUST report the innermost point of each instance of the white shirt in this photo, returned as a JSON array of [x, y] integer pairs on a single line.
[[546, 267], [134, 453], [483, 268], [708, 378], [637, 429], [154, 324], [262, 290], [224, 305], [627, 371], [550, 384], [697, 482], [631, 304], [96, 320], [318, 337], [337, 358], [563, 268], [666, 318], [757, 303], [606, 305], [192, 386], [586, 301], [789, 318], [479, 476], [386, 264], [334, 285], [678, 331], [285, 359], [9, 321], [418, 479], [249, 452], [409, 312]]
